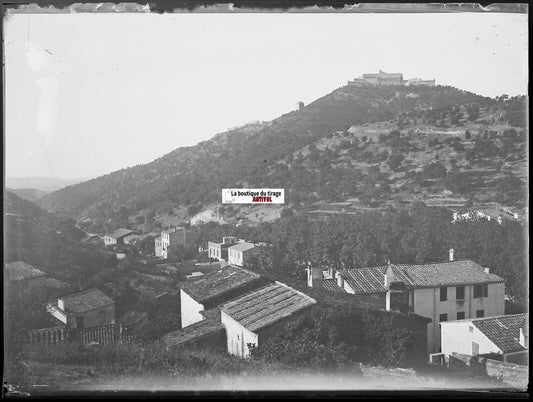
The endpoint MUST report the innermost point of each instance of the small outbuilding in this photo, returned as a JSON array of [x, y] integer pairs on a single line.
[[256, 317]]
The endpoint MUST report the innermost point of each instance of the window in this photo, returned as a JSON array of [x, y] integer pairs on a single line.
[[475, 348], [443, 317], [470, 329], [443, 294], [485, 290], [478, 291], [461, 315], [480, 313], [460, 293]]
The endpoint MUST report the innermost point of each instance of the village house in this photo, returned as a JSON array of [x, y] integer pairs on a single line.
[[119, 236], [213, 289], [240, 252], [440, 291], [488, 214], [219, 251], [507, 336], [255, 317], [23, 282], [85, 309], [166, 245]]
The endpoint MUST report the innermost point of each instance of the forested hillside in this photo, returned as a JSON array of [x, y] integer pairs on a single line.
[[374, 143]]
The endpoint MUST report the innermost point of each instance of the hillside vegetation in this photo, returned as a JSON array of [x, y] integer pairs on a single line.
[[373, 143]]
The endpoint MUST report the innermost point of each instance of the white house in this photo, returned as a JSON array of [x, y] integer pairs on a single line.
[[440, 291], [238, 253], [255, 317], [117, 237], [219, 251], [166, 244], [85, 309], [506, 335], [212, 289]]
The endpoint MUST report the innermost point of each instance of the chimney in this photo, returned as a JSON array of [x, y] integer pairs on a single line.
[[451, 254], [487, 270], [389, 275], [314, 276], [340, 279]]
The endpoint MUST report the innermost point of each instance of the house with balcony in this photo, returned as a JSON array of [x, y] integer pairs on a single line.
[[442, 291]]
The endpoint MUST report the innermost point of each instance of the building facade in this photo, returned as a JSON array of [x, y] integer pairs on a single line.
[[117, 237], [507, 336], [219, 251], [439, 291], [239, 253], [167, 244]]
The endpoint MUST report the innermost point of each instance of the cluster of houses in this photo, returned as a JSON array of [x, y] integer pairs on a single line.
[[233, 250], [463, 300], [383, 78], [490, 214], [236, 309]]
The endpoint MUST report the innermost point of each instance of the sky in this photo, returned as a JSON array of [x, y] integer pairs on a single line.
[[91, 93]]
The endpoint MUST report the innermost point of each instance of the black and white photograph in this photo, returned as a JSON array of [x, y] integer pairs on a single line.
[[305, 200]]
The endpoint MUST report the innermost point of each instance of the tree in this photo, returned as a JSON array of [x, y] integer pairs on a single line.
[[395, 160]]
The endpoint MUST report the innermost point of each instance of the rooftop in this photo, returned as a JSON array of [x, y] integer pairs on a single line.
[[503, 331], [119, 233], [86, 301], [266, 306], [208, 326], [19, 270], [219, 282], [331, 285], [242, 246], [453, 273]]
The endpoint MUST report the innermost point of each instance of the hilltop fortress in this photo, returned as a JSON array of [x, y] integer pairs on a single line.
[[383, 78]]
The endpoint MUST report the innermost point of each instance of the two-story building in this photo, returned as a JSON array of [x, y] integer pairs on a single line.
[[444, 291], [213, 289], [166, 245], [85, 309], [241, 252], [219, 251], [506, 336]]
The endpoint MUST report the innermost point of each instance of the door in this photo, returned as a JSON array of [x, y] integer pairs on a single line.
[[79, 322], [475, 348]]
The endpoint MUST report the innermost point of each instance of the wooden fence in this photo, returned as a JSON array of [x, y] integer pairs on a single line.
[[109, 334]]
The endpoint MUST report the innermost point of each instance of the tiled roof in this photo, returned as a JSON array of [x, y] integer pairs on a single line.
[[454, 273], [19, 270], [208, 326], [503, 331], [266, 306], [331, 285], [86, 301], [219, 282], [119, 233], [242, 246]]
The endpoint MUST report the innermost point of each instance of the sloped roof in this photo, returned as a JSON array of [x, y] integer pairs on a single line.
[[208, 326], [266, 306], [331, 285], [503, 331], [19, 270], [119, 233], [453, 273], [242, 246], [86, 301], [219, 282]]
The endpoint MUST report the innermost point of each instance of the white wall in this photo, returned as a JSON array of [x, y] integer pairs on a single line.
[[237, 336], [190, 310], [427, 304], [457, 338]]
